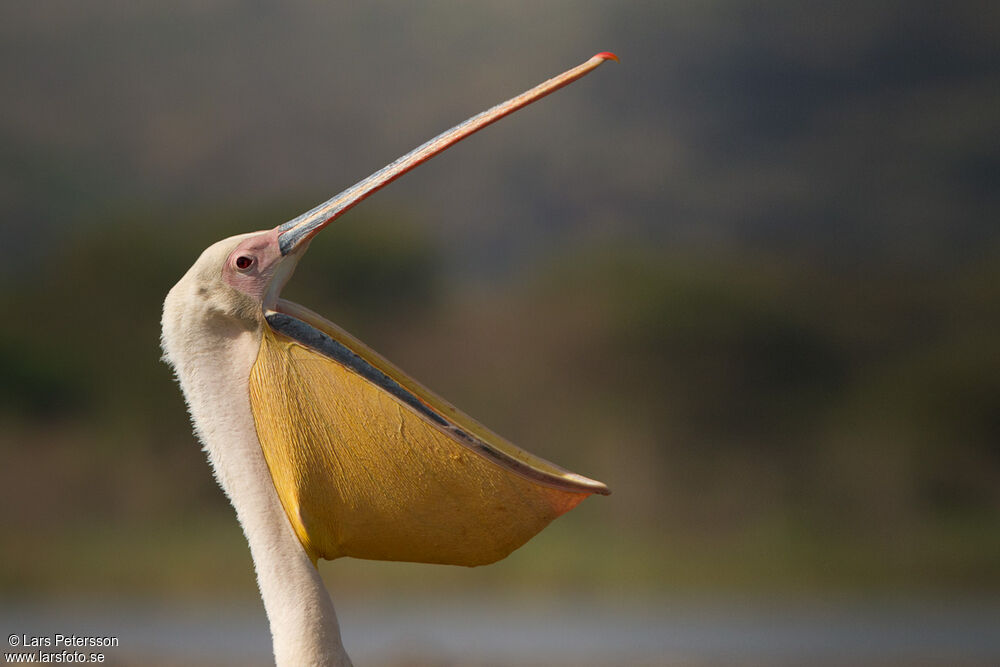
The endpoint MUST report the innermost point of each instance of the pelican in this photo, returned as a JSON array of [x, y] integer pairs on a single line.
[[323, 447]]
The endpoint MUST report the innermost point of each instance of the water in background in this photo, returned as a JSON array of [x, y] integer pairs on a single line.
[[518, 631]]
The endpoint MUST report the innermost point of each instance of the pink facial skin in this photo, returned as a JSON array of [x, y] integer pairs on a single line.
[[251, 267]]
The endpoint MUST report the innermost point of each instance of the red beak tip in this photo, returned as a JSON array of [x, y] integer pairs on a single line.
[[607, 55]]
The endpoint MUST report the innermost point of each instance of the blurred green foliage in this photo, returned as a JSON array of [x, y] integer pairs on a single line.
[[762, 420]]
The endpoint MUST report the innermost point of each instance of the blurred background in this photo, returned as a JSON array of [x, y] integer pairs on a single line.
[[749, 278]]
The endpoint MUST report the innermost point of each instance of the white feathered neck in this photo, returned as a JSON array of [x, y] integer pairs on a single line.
[[211, 335]]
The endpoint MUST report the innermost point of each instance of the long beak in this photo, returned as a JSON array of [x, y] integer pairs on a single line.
[[297, 233]]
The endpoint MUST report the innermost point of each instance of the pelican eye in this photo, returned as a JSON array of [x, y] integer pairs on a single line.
[[243, 262]]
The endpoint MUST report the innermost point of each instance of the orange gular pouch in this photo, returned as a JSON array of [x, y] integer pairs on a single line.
[[369, 464]]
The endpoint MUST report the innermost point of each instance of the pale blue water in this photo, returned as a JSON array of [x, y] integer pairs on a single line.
[[515, 631]]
